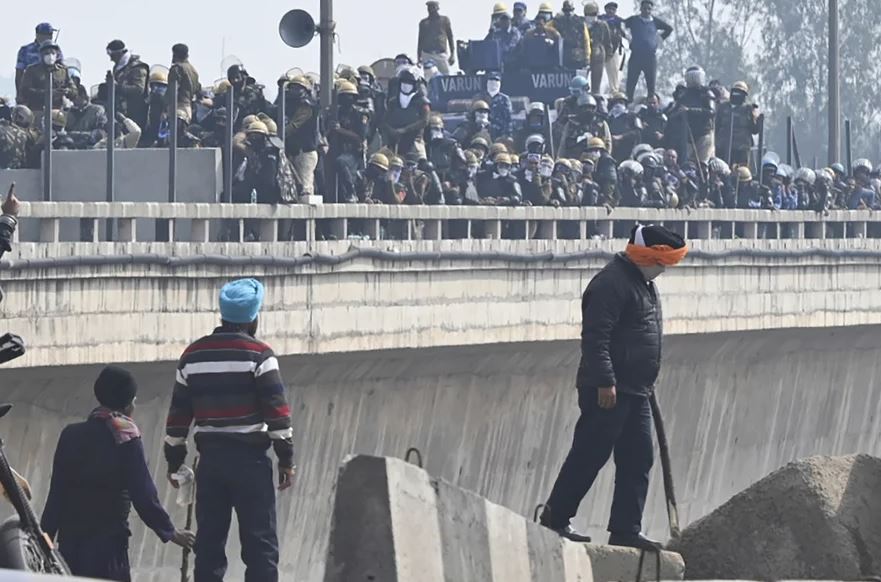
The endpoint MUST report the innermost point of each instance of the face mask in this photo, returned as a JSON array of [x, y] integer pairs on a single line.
[[528, 175], [594, 155], [50, 58], [394, 175], [493, 87], [482, 118], [160, 89], [407, 88], [202, 111], [618, 110], [437, 134], [546, 171], [503, 171], [472, 170], [583, 98], [653, 272], [590, 19], [738, 98]]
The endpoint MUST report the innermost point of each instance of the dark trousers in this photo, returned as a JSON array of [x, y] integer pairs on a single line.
[[645, 64], [101, 557], [625, 430], [240, 478]]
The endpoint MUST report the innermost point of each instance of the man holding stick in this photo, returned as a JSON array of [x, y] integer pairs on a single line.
[[620, 361]]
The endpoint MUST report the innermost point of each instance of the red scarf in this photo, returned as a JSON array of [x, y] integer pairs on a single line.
[[123, 428]]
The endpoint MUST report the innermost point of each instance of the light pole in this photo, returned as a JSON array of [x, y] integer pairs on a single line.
[[326, 29], [834, 86]]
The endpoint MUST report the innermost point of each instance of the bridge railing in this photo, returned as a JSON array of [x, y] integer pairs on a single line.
[[193, 222]]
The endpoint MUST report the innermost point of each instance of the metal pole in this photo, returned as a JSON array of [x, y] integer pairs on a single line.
[[326, 28], [172, 138], [834, 86], [795, 155], [48, 135], [761, 153], [227, 146], [111, 145], [282, 112], [789, 140], [848, 150]]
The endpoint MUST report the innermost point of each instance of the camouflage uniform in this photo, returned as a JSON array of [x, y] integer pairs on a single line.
[[15, 143], [33, 86], [131, 90]]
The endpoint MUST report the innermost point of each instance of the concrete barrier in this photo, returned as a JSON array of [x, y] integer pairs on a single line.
[[393, 522]]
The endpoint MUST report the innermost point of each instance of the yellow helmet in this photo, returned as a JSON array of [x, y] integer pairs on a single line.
[[395, 162], [346, 88], [271, 125], [500, 8], [159, 77], [546, 7], [502, 158], [565, 163], [366, 70], [303, 81], [470, 158], [59, 118], [480, 141], [257, 126], [436, 122], [743, 174], [222, 87], [740, 86], [380, 161], [496, 149], [480, 105], [596, 143], [515, 159], [249, 119]]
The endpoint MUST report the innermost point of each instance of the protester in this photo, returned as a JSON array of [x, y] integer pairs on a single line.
[[600, 45], [229, 387], [436, 42], [100, 471], [621, 343], [646, 32]]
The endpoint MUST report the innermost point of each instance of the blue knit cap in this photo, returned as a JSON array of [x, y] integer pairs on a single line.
[[240, 300]]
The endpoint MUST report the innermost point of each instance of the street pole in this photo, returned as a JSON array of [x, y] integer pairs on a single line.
[[834, 86], [326, 28]]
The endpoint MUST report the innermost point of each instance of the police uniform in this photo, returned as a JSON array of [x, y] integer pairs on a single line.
[[32, 91], [15, 143], [348, 140], [745, 123]]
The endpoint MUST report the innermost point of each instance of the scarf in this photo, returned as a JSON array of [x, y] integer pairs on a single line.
[[123, 428]]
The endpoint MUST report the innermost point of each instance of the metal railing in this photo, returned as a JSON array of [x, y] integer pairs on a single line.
[[271, 223]]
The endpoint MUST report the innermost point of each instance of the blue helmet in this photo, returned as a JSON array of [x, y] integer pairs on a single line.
[[578, 84]]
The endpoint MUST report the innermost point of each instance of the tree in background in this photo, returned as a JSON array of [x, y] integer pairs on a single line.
[[715, 34]]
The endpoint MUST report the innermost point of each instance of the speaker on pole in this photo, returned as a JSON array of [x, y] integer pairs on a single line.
[[297, 28]]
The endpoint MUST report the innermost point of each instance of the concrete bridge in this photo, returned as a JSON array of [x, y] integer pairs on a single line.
[[465, 349]]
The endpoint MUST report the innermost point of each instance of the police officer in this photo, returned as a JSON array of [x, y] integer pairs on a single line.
[[477, 124], [228, 385], [86, 121], [155, 132], [17, 141], [606, 170], [302, 132], [29, 54], [32, 90], [367, 78], [501, 188], [131, 76], [501, 111], [576, 37], [348, 141], [503, 31], [654, 122], [620, 362], [188, 85], [695, 111], [625, 126], [536, 124], [600, 44], [444, 153], [520, 19], [580, 127], [407, 116], [247, 93], [613, 58], [737, 121]]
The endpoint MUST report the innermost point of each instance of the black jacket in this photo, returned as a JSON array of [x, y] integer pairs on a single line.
[[621, 330]]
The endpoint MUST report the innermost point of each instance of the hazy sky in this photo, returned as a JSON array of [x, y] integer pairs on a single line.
[[368, 30]]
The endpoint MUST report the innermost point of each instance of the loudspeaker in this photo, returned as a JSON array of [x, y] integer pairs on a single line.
[[297, 28]]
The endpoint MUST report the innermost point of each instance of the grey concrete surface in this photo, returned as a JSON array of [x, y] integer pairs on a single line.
[[85, 314], [817, 518], [498, 419]]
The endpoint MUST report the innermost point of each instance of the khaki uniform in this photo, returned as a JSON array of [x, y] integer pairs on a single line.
[[33, 86], [188, 87]]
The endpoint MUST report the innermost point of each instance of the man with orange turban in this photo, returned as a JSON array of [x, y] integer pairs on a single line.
[[620, 362]]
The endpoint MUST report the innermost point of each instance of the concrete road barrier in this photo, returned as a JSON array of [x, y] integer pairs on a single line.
[[393, 522]]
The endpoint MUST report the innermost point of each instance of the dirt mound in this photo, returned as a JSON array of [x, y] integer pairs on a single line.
[[819, 518]]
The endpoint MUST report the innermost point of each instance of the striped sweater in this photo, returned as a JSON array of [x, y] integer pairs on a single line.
[[229, 388]]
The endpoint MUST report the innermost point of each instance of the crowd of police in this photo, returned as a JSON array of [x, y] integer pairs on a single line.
[[381, 142]]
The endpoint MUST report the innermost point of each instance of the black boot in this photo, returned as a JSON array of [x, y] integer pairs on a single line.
[[566, 531], [638, 541]]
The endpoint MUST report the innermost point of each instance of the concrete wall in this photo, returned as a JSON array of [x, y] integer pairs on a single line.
[[392, 521], [497, 420], [85, 314], [141, 176]]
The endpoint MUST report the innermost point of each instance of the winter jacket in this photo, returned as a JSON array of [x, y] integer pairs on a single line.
[[621, 330]]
